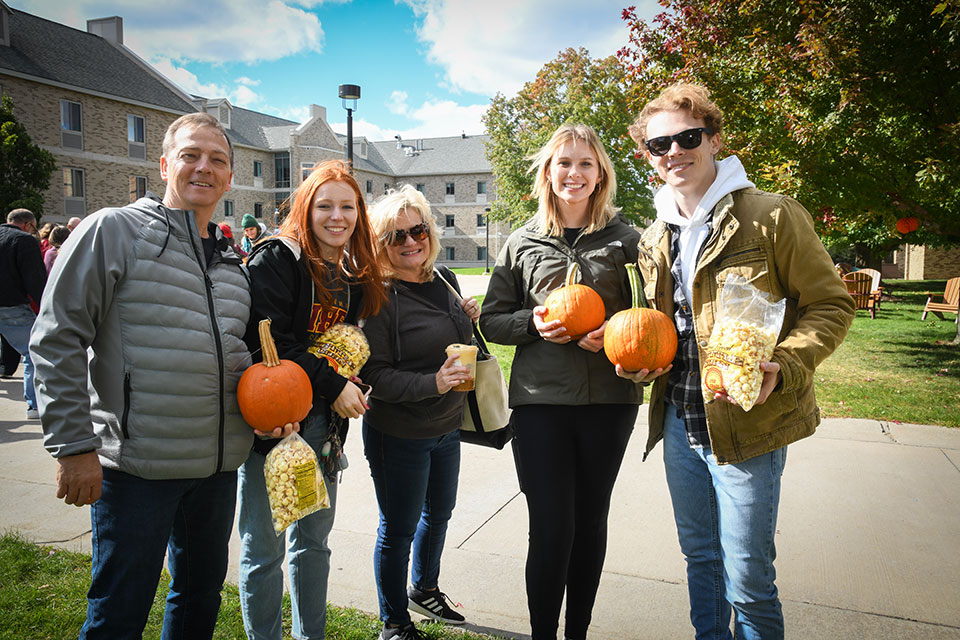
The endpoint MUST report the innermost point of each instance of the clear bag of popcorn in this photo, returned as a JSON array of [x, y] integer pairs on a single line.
[[744, 335], [295, 485]]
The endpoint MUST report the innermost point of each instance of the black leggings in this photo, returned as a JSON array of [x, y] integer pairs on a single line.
[[567, 460]]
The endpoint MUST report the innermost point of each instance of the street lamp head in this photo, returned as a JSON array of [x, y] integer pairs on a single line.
[[349, 94]]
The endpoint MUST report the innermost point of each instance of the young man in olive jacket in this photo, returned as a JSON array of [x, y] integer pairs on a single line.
[[723, 464]]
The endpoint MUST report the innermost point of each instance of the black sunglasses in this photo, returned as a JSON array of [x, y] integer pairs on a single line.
[[689, 139], [418, 232]]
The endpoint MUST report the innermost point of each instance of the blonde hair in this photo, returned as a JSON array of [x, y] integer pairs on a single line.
[[600, 208], [691, 98], [383, 218]]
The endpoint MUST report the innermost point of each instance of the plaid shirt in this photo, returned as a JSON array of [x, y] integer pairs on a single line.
[[683, 386]]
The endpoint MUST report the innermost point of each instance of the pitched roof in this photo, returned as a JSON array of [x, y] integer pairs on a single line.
[[259, 129], [437, 156], [62, 54]]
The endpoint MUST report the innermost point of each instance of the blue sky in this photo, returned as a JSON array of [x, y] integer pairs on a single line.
[[426, 67]]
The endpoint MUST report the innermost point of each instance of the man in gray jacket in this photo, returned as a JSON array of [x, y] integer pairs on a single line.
[[138, 349]]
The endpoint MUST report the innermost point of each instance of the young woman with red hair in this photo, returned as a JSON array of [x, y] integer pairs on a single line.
[[320, 269]]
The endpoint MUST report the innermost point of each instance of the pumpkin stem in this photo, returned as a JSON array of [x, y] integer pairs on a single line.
[[572, 272], [267, 345], [637, 297]]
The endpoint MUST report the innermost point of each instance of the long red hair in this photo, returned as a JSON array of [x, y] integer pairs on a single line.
[[358, 261]]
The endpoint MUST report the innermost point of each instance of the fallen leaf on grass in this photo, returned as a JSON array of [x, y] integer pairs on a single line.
[[868, 379]]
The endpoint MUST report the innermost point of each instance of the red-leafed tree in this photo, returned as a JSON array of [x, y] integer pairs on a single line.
[[851, 106]]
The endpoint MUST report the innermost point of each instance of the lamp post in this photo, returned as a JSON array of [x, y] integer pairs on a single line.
[[486, 251], [349, 94]]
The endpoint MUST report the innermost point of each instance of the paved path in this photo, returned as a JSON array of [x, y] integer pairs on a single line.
[[868, 538]]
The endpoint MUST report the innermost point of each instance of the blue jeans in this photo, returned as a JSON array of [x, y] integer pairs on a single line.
[[262, 553], [133, 524], [726, 519], [15, 325], [416, 485]]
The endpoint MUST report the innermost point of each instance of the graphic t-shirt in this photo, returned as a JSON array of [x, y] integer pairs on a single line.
[[323, 317]]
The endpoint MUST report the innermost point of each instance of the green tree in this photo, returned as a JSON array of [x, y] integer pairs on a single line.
[[25, 168], [851, 106], [573, 88]]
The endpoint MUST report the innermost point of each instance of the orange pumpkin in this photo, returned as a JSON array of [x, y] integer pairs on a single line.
[[273, 392], [578, 307], [639, 337], [906, 225]]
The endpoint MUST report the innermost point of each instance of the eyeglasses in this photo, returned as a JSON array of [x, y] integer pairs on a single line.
[[418, 232], [689, 139]]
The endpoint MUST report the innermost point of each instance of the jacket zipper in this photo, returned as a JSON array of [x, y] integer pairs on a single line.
[[124, 428], [208, 286]]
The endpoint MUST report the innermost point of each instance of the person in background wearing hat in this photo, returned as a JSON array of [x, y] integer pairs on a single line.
[[228, 234], [252, 232]]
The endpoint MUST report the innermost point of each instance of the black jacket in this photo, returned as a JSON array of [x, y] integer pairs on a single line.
[[21, 266], [282, 290], [408, 339]]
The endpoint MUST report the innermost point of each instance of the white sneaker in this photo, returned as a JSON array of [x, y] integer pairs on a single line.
[[33, 414]]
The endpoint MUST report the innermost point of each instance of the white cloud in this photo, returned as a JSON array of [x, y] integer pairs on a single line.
[[486, 56], [434, 119], [244, 96], [187, 80], [213, 31], [397, 103], [249, 82]]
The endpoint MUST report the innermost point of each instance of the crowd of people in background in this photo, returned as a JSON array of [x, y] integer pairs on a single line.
[[154, 300]]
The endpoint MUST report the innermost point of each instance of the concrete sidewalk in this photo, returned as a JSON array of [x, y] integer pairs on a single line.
[[868, 539]]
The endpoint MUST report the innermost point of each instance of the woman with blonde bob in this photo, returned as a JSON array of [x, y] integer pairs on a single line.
[[573, 415], [319, 270], [411, 432]]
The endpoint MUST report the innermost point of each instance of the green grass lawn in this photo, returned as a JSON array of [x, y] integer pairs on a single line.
[[44, 597], [896, 367], [470, 271]]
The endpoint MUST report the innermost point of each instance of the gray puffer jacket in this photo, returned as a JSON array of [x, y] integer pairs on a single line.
[[163, 331]]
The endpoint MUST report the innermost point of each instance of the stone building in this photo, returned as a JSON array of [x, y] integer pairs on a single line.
[[102, 111]]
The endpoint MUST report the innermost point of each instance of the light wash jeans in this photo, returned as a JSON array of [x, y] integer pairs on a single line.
[[726, 519], [15, 325], [262, 554]]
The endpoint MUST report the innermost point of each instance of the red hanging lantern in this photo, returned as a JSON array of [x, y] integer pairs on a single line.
[[907, 225]]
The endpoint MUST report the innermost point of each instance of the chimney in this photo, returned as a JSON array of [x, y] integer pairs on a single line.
[[399, 142], [463, 135], [110, 29], [318, 113]]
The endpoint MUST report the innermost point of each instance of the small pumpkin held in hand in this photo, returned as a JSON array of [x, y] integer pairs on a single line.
[[578, 307], [639, 337], [273, 392]]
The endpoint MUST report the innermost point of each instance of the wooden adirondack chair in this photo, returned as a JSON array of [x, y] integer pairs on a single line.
[[950, 303], [876, 289], [860, 288]]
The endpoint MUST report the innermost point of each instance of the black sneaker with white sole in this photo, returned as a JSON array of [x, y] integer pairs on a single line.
[[433, 604], [406, 632]]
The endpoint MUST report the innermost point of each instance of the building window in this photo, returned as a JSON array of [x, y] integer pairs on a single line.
[[421, 187], [450, 188], [305, 169], [369, 186], [481, 221], [448, 221], [386, 187], [136, 142], [450, 253], [74, 193], [481, 253], [257, 210], [257, 169], [281, 164], [71, 125], [481, 188], [138, 187], [228, 208], [279, 199]]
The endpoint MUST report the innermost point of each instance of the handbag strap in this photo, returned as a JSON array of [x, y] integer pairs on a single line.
[[476, 330]]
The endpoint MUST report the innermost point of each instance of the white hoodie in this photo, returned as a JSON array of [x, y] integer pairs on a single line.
[[694, 230]]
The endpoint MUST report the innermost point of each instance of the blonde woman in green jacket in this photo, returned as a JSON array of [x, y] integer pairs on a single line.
[[573, 415]]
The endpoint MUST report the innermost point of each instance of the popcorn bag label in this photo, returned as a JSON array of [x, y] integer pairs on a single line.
[[306, 475], [343, 346]]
